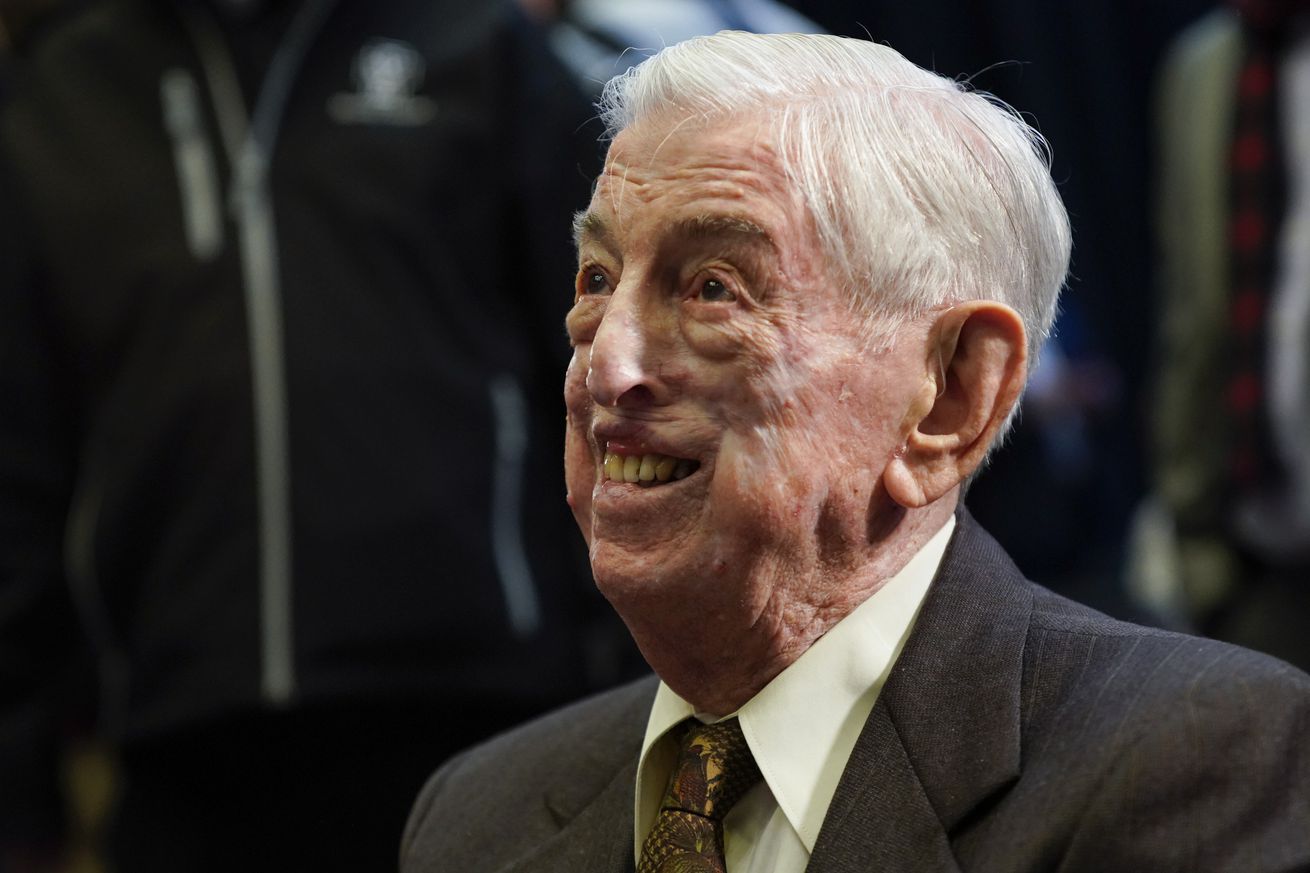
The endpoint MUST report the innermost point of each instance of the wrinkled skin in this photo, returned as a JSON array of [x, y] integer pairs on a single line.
[[706, 326]]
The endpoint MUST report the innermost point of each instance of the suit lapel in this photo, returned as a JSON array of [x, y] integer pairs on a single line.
[[880, 817], [944, 734], [594, 839]]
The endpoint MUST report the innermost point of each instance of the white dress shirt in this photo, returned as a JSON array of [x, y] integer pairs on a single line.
[[801, 727]]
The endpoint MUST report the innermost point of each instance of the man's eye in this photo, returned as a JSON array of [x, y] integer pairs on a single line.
[[593, 282], [715, 291]]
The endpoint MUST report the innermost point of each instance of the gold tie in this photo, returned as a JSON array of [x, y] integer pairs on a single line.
[[714, 770]]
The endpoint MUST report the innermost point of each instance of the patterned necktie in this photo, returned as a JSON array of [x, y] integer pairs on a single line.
[[714, 770]]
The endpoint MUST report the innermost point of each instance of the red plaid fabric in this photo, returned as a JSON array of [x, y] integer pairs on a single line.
[[1257, 196]]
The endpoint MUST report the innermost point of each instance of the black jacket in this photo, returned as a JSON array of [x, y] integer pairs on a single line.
[[279, 371]]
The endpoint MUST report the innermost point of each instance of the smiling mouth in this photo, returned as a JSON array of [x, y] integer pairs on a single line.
[[647, 470]]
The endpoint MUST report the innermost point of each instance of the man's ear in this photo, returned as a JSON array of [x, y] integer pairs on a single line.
[[976, 368]]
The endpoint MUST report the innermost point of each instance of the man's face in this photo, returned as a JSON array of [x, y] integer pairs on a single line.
[[713, 348]]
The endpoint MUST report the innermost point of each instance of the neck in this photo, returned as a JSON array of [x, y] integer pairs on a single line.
[[728, 656]]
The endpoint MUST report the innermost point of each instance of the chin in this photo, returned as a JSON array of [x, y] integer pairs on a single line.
[[625, 573], [646, 580]]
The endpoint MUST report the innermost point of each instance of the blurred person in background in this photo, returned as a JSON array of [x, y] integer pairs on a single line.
[[1225, 540], [279, 419]]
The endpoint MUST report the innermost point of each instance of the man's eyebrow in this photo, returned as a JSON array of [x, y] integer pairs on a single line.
[[589, 226], [702, 227]]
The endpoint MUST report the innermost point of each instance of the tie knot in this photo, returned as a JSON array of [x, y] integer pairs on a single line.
[[715, 768]]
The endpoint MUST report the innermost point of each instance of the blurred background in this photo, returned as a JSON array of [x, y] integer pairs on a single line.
[[281, 285]]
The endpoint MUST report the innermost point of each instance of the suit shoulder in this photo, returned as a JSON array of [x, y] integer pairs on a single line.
[[577, 750], [1163, 709], [1055, 618], [1084, 650], [1143, 746]]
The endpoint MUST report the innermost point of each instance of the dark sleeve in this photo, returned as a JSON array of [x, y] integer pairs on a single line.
[[37, 626]]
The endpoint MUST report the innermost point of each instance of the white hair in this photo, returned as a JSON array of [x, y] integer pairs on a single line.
[[923, 192]]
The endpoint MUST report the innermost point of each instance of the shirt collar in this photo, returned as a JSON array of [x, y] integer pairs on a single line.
[[802, 726]]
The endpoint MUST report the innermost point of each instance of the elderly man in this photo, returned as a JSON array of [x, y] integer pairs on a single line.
[[811, 281]]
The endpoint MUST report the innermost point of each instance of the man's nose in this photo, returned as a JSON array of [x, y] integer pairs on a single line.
[[623, 371]]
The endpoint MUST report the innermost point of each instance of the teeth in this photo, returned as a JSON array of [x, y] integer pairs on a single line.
[[664, 468], [613, 467], [631, 468], [646, 469]]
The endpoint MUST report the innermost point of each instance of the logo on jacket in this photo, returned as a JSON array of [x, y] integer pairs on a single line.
[[388, 74]]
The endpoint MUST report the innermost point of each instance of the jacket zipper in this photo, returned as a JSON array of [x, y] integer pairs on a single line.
[[512, 567], [250, 143], [197, 175]]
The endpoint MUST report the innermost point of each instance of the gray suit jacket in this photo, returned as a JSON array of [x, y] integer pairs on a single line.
[[1018, 732]]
